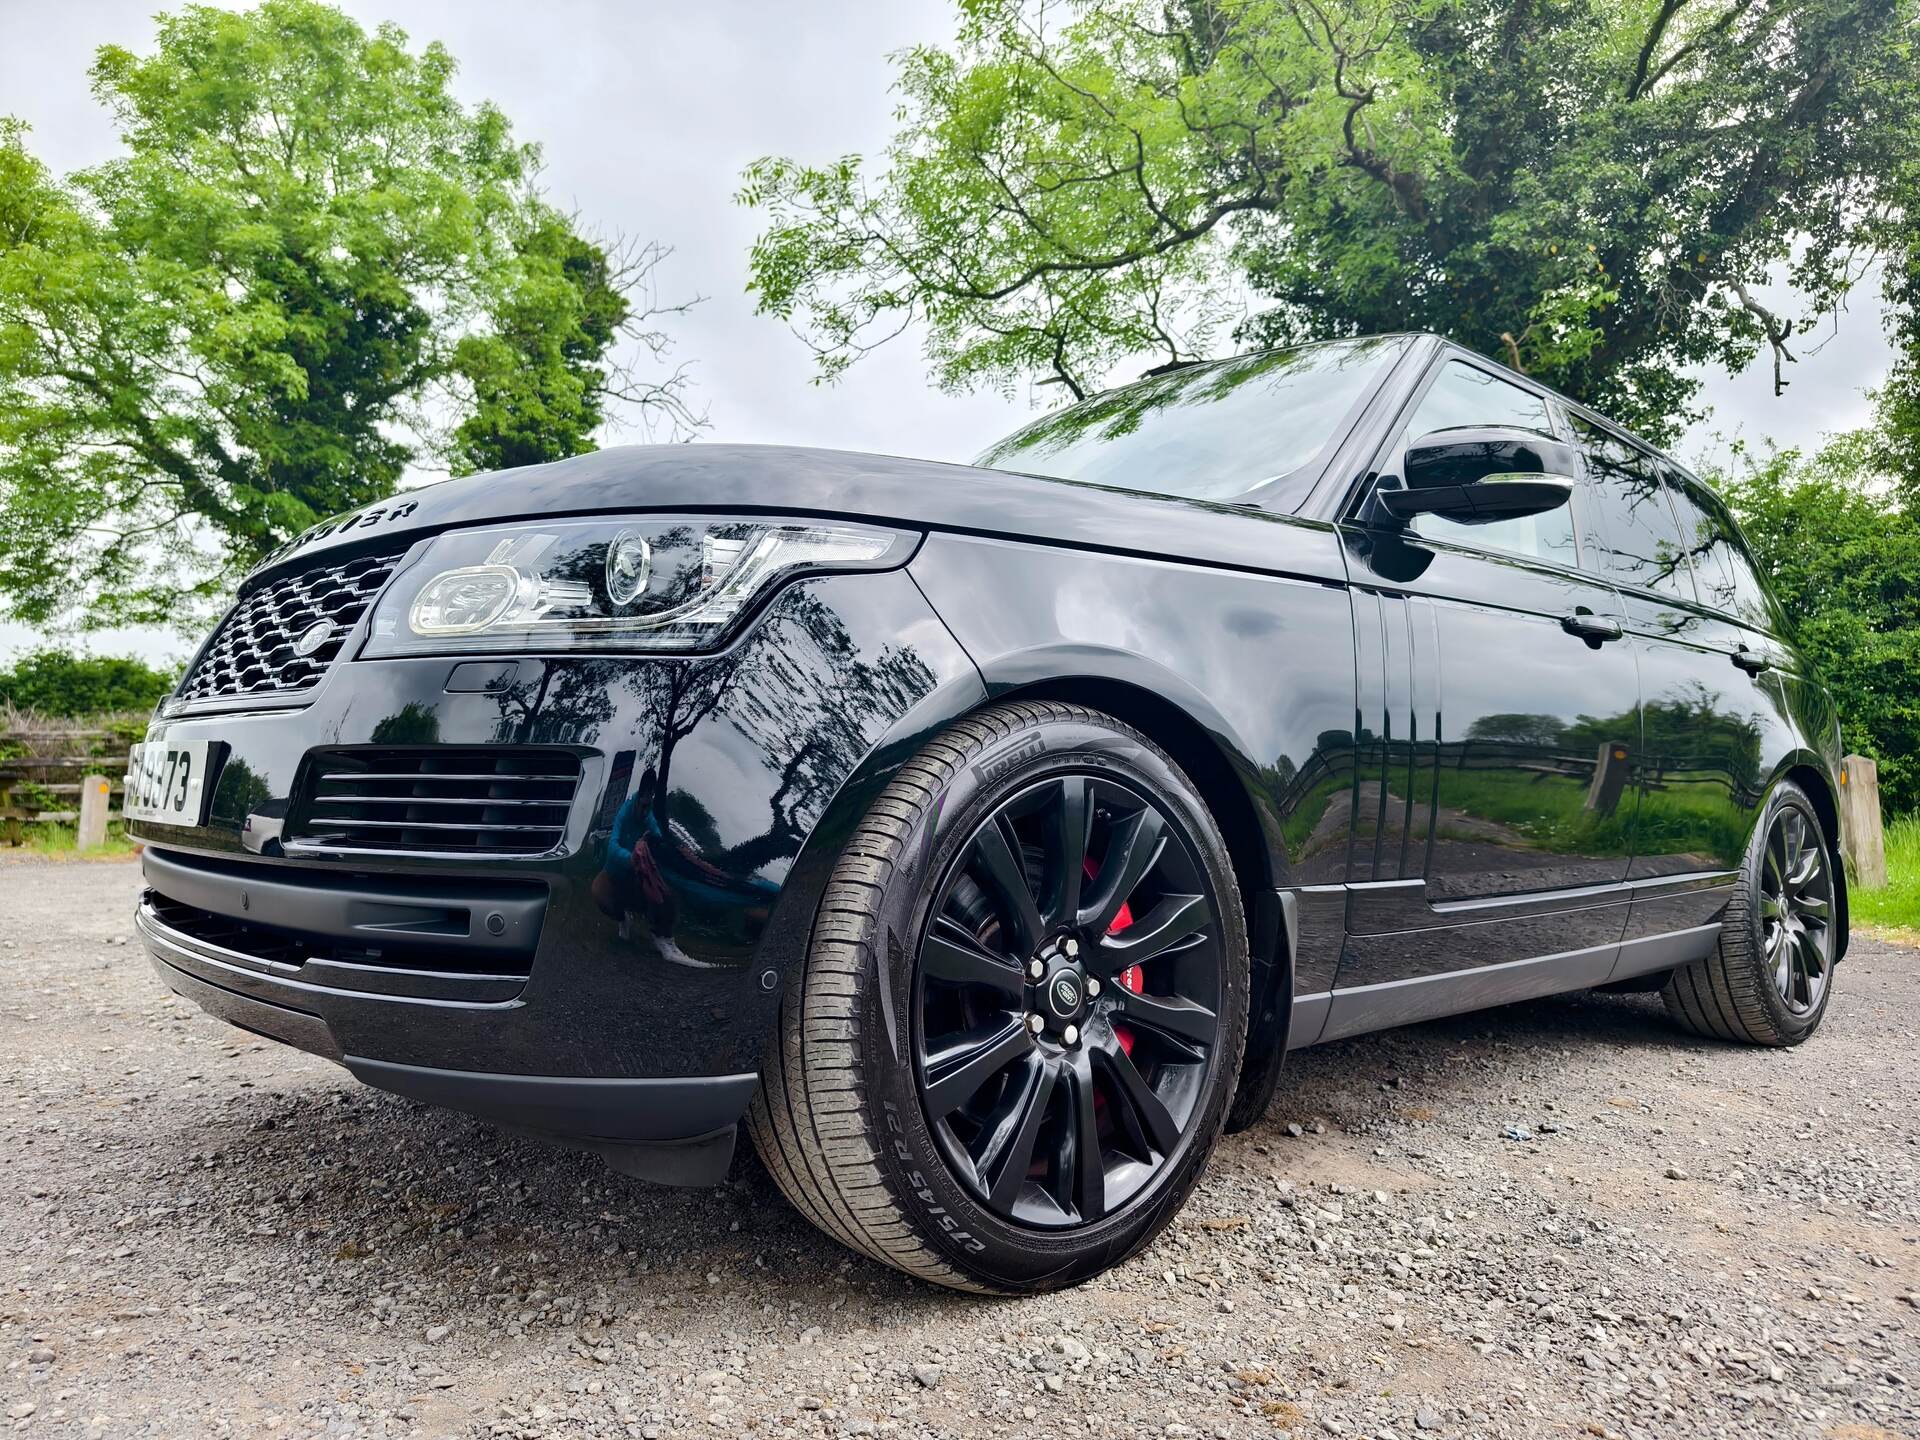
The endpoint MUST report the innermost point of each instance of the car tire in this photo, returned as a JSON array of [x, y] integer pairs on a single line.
[[852, 1118], [1769, 978]]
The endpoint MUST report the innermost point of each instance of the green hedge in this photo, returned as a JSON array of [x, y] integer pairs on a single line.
[[53, 682]]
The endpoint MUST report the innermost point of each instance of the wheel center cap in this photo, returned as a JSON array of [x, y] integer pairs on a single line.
[[1065, 994]]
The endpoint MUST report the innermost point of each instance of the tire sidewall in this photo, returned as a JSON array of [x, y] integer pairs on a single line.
[[998, 1252]]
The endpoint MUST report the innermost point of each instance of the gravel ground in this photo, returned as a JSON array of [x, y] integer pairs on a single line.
[[1562, 1218]]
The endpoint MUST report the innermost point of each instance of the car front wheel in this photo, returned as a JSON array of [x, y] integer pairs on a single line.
[[1021, 1020]]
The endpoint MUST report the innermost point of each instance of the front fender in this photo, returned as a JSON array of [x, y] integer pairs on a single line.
[[1260, 665]]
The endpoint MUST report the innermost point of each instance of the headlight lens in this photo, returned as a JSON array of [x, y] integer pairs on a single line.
[[640, 583]]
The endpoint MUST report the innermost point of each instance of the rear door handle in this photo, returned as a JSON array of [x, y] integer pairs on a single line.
[[1594, 629], [1751, 661]]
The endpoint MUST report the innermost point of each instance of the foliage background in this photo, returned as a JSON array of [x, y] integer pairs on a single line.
[[58, 682], [309, 268], [1593, 191], [1841, 548]]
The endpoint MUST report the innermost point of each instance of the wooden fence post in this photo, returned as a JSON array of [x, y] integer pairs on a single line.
[[1860, 821], [96, 795], [1610, 772]]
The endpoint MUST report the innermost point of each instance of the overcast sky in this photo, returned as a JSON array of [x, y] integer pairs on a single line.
[[647, 113]]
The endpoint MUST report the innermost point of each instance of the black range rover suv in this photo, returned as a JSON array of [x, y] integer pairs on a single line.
[[983, 837]]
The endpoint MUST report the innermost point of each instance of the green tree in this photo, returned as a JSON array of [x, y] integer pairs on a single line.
[[1896, 442], [539, 377], [1853, 594], [1589, 190], [310, 268]]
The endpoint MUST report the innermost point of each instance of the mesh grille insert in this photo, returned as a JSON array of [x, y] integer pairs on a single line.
[[254, 651], [491, 800], [262, 942]]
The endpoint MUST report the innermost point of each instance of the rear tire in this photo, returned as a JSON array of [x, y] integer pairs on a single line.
[[881, 1114], [1770, 977]]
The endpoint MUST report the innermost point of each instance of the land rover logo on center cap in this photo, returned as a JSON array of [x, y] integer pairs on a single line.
[[1065, 994], [313, 637]]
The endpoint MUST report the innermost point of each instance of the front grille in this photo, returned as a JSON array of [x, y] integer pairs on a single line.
[[489, 800], [253, 652]]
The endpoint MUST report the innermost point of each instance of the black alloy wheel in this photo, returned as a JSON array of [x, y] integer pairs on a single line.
[[1796, 911], [1068, 1004]]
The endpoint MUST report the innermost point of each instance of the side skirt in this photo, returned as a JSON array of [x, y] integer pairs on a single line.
[[1364, 1008], [1664, 952], [1428, 997]]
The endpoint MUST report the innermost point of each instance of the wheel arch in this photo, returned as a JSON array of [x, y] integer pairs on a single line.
[[1199, 753], [1173, 716]]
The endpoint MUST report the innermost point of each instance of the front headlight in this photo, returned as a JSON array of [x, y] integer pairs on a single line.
[[639, 583]]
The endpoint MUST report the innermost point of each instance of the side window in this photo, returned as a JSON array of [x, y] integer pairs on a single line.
[[1753, 602], [1631, 534], [1722, 568], [1464, 394]]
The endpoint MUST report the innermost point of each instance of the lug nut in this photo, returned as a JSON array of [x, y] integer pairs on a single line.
[[1036, 969], [1071, 1035], [1073, 947], [1093, 987], [1036, 1024]]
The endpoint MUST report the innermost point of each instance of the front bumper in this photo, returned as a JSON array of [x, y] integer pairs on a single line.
[[591, 1110], [616, 989]]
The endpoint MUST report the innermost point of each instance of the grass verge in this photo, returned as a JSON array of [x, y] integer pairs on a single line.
[[51, 841], [1895, 906]]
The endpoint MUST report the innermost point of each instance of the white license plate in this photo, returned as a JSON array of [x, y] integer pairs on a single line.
[[166, 782]]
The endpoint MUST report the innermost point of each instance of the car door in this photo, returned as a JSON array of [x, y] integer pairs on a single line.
[[1516, 693], [1706, 708]]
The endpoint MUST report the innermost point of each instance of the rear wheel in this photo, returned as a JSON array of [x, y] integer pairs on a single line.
[[1014, 1041], [1771, 975]]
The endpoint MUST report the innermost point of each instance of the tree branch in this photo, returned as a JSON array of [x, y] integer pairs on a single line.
[[1777, 332], [1655, 32]]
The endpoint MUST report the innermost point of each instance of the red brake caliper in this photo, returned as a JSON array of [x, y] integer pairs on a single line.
[[1129, 978]]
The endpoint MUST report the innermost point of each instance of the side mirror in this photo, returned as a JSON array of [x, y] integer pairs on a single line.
[[1476, 474]]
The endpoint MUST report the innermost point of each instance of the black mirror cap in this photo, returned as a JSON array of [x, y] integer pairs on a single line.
[[1481, 503], [1476, 474], [1469, 454]]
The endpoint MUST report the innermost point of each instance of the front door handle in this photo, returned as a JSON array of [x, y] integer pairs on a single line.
[[1592, 628], [1751, 661]]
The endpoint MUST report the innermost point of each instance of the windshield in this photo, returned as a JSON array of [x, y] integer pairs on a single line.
[[1205, 432]]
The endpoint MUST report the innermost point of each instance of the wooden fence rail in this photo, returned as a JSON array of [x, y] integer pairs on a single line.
[[43, 770]]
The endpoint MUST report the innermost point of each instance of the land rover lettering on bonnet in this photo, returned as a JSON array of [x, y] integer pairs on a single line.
[[980, 838]]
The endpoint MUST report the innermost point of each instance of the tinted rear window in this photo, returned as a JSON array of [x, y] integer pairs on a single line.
[[1726, 576], [1632, 534]]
